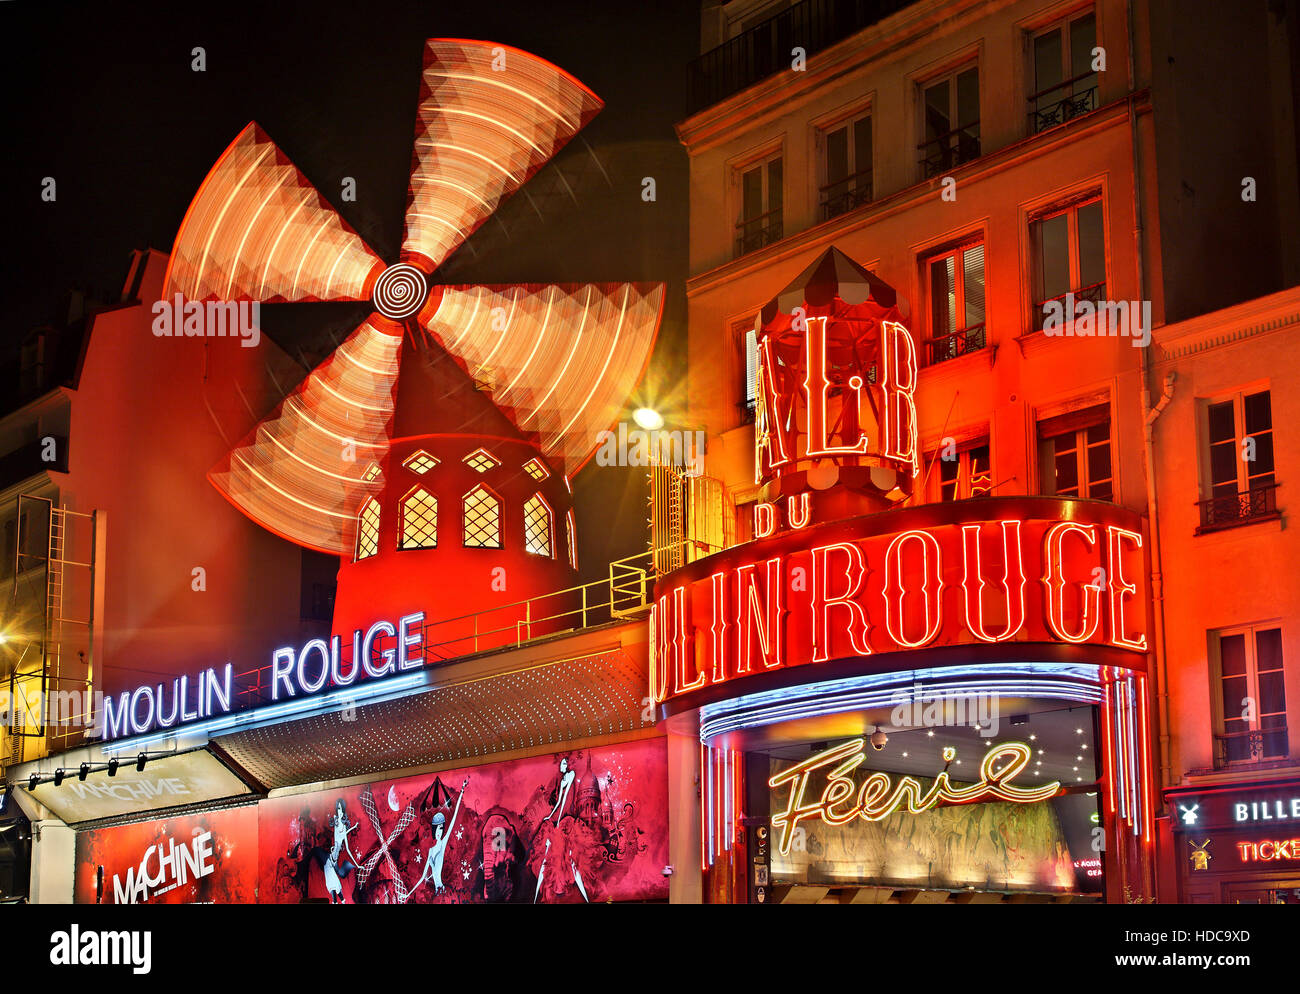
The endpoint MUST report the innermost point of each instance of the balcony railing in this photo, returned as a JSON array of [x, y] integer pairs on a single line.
[[1255, 745], [755, 232], [846, 194], [1259, 503], [767, 47], [1093, 294], [941, 154], [958, 343], [1048, 109]]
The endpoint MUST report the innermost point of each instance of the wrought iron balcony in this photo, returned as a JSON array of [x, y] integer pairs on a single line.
[[1259, 503], [845, 195], [958, 343], [766, 48], [755, 232], [1255, 745], [950, 150], [1094, 294], [1058, 104]]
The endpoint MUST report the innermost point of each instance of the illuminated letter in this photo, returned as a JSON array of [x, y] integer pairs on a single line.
[[220, 693], [115, 717], [311, 686], [408, 640], [281, 668], [658, 652], [1090, 603], [854, 573], [718, 629], [897, 383], [764, 619], [764, 519], [379, 627], [336, 667], [816, 385], [772, 441], [797, 515], [931, 588], [1013, 583], [680, 644], [1121, 588]]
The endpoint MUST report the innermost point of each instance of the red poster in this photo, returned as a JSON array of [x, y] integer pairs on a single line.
[[206, 858], [587, 825]]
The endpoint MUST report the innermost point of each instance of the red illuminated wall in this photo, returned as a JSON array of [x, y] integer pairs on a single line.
[[516, 823]]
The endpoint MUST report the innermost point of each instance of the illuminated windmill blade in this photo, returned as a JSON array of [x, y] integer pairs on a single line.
[[303, 471], [489, 118], [559, 359], [258, 230]]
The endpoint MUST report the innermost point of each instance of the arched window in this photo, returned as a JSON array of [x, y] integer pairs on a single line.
[[368, 530], [572, 539], [420, 462], [537, 526], [482, 519], [419, 520]]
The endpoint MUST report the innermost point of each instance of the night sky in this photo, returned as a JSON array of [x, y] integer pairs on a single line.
[[102, 97]]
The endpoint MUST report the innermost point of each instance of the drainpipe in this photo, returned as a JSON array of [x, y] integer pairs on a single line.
[[1157, 578]]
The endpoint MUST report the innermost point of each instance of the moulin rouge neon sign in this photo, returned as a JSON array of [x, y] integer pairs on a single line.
[[842, 800], [1058, 571]]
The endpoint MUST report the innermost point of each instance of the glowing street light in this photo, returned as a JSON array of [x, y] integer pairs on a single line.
[[648, 418]]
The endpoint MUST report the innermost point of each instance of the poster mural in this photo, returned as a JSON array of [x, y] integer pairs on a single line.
[[579, 826], [208, 858]]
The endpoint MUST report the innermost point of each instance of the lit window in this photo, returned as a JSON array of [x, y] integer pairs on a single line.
[[371, 473], [1252, 695], [537, 526], [420, 463], [368, 529], [480, 460], [482, 519], [419, 520], [956, 285], [747, 364], [967, 474], [572, 537], [536, 470]]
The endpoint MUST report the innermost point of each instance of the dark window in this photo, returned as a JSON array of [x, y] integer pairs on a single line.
[[1239, 463], [1064, 84], [761, 206], [1069, 257], [847, 167], [1074, 454], [951, 107], [319, 574], [969, 474]]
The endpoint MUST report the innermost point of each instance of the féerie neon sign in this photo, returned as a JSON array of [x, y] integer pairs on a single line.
[[842, 800]]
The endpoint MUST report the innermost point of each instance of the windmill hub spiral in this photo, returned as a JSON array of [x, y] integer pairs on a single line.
[[400, 291]]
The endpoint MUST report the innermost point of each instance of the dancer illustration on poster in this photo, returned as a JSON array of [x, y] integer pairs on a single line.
[[438, 851], [560, 831], [336, 872]]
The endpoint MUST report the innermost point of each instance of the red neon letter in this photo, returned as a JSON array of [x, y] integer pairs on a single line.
[[931, 588], [897, 383], [1121, 588], [798, 511], [718, 629], [1013, 581], [1090, 597], [762, 618], [816, 386], [772, 439], [683, 650], [764, 519], [854, 573]]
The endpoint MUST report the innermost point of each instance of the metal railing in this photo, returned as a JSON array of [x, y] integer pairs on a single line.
[[846, 194], [1094, 293], [755, 232], [1255, 745], [958, 343], [938, 155], [767, 48], [1064, 108], [1241, 508], [625, 593]]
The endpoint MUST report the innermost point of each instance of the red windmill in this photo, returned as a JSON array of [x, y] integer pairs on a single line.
[[433, 450]]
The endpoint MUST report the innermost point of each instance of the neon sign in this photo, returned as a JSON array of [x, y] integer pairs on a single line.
[[1269, 850], [294, 673], [843, 800], [1041, 572]]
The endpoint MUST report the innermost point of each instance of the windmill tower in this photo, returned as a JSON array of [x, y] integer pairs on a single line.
[[433, 450]]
